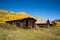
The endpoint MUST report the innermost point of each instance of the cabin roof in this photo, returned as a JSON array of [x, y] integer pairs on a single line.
[[22, 19], [17, 18], [41, 21]]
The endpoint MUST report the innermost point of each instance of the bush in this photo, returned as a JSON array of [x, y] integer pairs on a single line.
[[7, 26]]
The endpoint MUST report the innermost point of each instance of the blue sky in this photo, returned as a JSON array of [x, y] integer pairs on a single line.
[[46, 9]]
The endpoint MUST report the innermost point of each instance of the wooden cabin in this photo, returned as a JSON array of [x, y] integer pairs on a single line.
[[43, 23], [25, 22]]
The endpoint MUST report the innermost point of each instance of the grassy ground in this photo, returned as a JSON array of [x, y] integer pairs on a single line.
[[52, 33]]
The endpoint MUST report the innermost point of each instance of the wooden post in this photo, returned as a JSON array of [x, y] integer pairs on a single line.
[[24, 24], [21, 25], [29, 24], [48, 23], [33, 24], [13, 23]]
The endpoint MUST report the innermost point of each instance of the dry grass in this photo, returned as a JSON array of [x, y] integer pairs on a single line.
[[29, 34]]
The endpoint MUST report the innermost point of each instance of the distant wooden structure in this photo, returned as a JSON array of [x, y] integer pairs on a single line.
[[25, 22], [44, 24]]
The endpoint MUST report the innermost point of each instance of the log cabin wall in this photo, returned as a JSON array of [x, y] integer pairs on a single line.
[[42, 25], [19, 24], [26, 23], [29, 23], [33, 24], [9, 22]]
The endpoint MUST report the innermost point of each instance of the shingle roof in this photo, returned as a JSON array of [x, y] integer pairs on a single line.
[[41, 21], [20, 19]]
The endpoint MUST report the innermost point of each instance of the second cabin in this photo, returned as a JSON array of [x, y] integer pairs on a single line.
[[44, 23]]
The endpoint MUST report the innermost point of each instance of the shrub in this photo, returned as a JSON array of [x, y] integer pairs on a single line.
[[7, 26]]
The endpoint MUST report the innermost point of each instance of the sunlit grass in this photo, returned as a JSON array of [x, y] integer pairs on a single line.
[[30, 34]]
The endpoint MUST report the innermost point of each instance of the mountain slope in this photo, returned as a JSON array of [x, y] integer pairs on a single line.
[[23, 14], [9, 15], [4, 15]]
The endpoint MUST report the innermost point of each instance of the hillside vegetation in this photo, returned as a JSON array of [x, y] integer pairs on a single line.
[[57, 24], [8, 15]]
